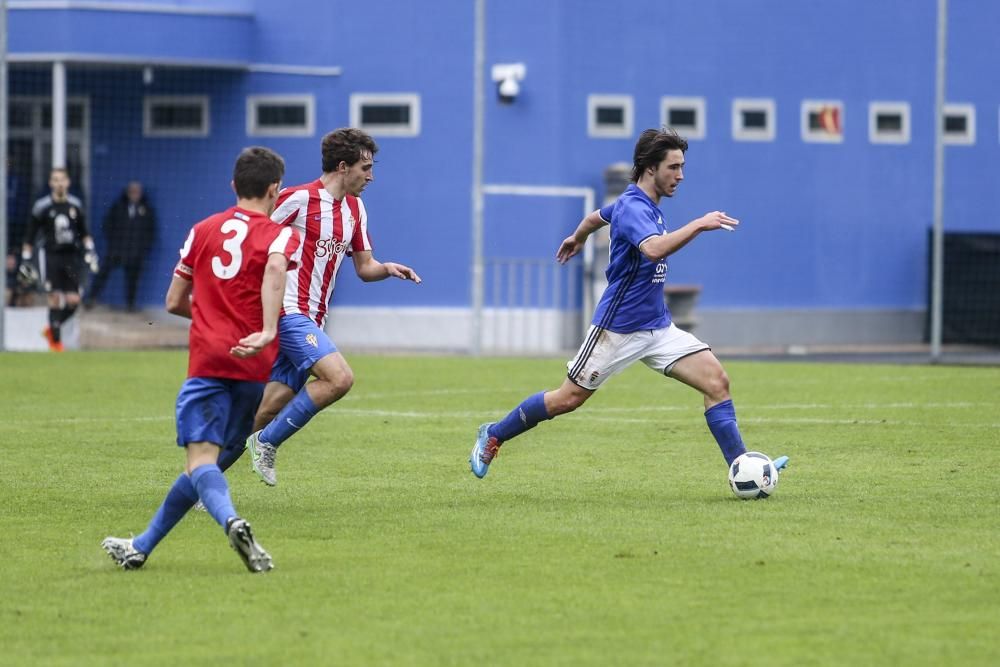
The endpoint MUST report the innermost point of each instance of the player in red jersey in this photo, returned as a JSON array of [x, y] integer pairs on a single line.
[[229, 281], [334, 223]]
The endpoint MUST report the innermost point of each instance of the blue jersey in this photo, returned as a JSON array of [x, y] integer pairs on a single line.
[[633, 300]]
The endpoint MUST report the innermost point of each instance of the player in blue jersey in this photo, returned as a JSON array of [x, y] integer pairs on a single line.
[[632, 322]]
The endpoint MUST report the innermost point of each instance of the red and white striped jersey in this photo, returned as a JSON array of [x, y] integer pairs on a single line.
[[330, 229]]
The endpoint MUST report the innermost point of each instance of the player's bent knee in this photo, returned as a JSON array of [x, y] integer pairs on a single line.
[[565, 403], [329, 391], [341, 383], [717, 387], [199, 454]]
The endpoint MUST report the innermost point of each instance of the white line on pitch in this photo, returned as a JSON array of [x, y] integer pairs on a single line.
[[597, 414]]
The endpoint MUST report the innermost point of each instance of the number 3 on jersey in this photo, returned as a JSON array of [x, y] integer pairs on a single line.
[[234, 246]]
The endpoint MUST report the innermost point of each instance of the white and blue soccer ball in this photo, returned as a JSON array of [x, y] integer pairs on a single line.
[[753, 475]]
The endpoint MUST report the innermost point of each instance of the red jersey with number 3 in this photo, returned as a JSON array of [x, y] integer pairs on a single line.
[[330, 228], [224, 257]]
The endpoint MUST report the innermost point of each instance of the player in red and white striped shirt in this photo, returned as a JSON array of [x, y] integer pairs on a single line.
[[333, 223]]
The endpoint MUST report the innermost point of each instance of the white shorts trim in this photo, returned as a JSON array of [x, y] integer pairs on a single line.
[[604, 353]]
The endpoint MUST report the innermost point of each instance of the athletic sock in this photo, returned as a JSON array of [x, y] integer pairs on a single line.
[[66, 313], [292, 417], [213, 492], [523, 417], [180, 498], [721, 419], [54, 322]]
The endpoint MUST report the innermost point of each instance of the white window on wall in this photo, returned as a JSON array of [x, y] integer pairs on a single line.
[[959, 124], [175, 116], [387, 115], [609, 116], [281, 115], [684, 114], [889, 122], [753, 119], [823, 121]]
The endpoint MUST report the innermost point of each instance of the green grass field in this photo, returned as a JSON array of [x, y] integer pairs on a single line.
[[606, 537]]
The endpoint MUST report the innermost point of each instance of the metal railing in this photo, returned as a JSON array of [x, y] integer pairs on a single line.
[[531, 305]]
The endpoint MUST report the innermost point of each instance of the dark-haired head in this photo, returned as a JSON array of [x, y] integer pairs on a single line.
[[257, 169], [346, 145], [652, 148]]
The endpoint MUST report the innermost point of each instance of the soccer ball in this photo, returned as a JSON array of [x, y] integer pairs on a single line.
[[753, 475]]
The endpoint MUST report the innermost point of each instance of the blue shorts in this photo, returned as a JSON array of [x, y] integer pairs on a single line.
[[217, 411], [301, 343]]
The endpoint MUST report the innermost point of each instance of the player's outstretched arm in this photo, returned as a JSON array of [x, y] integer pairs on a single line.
[[574, 243], [370, 269], [272, 289], [656, 248]]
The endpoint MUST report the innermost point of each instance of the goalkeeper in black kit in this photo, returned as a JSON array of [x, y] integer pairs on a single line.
[[59, 218]]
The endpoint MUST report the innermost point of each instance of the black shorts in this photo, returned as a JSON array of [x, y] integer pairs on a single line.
[[62, 272]]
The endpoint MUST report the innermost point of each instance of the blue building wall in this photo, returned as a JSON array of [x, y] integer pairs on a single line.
[[973, 177], [825, 225], [222, 34], [818, 219]]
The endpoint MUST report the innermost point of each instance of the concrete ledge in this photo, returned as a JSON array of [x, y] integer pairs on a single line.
[[105, 329], [23, 329], [761, 327], [504, 331]]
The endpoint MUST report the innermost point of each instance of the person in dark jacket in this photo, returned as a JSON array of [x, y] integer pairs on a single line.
[[129, 229]]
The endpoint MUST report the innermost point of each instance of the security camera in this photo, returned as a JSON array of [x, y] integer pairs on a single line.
[[508, 90], [508, 78]]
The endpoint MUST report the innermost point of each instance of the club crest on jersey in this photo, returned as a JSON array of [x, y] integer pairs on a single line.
[[329, 246], [311, 339]]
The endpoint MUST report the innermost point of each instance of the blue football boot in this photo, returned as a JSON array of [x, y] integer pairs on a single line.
[[484, 451]]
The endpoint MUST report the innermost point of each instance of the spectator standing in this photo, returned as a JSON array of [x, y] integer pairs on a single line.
[[129, 227]]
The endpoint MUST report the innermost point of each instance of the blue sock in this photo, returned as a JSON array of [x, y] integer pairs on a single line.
[[230, 456], [292, 417], [180, 498], [721, 419], [214, 492], [523, 417]]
